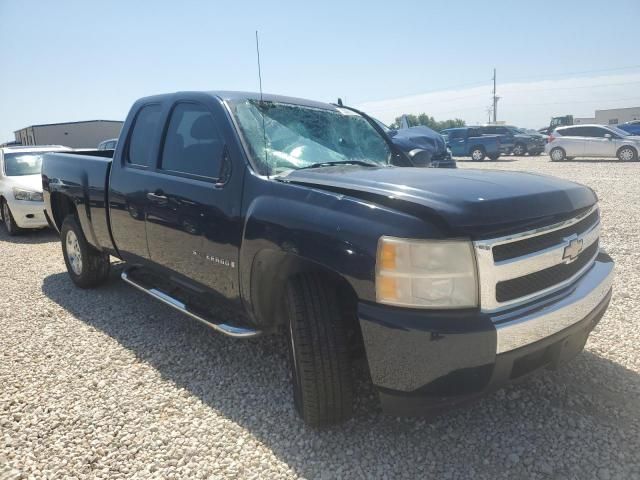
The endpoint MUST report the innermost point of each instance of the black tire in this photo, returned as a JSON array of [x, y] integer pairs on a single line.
[[318, 350], [93, 268], [478, 154], [557, 154], [8, 220], [519, 150], [627, 154]]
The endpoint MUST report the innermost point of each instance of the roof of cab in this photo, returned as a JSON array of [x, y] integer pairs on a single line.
[[240, 96]]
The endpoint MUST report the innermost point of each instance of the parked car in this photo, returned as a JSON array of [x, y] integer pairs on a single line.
[[424, 147], [632, 127], [21, 204], [470, 141], [592, 141], [108, 144], [287, 214], [517, 140]]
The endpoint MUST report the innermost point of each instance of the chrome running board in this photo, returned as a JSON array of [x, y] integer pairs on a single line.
[[229, 330]]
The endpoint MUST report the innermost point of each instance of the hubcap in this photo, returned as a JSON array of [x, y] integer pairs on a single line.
[[556, 155], [518, 150], [626, 154], [73, 252], [477, 155]]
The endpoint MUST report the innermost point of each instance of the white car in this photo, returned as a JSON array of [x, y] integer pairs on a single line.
[[602, 141], [21, 204]]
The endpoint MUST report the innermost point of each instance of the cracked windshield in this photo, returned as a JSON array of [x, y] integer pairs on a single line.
[[284, 137]]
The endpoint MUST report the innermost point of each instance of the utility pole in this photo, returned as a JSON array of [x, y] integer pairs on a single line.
[[495, 98]]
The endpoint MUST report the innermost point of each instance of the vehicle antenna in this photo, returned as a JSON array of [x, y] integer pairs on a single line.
[[264, 132], [259, 69]]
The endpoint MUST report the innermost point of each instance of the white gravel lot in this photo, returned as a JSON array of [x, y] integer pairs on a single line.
[[111, 384]]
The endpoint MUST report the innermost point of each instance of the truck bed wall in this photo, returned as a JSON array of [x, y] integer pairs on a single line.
[[81, 177]]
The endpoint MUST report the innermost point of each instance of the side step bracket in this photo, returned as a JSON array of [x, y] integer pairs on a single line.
[[229, 330]]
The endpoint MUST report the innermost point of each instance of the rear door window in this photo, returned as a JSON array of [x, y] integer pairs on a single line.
[[140, 142], [193, 144], [571, 132]]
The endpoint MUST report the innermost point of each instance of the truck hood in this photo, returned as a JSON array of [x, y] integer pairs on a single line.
[[28, 182], [474, 203]]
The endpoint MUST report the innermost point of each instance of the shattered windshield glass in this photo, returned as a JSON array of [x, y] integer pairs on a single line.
[[282, 137]]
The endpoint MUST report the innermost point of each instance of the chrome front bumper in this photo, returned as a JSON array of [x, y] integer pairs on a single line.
[[534, 322]]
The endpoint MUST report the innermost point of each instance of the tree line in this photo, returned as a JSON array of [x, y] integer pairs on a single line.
[[428, 121]]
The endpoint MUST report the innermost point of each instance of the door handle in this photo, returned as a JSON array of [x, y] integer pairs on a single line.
[[156, 197]]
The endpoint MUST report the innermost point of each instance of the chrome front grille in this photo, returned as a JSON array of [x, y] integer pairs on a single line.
[[519, 268]]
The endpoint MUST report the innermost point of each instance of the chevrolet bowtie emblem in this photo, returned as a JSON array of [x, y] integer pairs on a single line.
[[572, 250]]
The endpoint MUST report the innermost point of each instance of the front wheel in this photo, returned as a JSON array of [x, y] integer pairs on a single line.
[[628, 154], [9, 222], [477, 154], [519, 150], [87, 266], [557, 154], [318, 351]]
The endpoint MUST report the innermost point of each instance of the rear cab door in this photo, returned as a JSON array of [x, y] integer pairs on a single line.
[[131, 179]]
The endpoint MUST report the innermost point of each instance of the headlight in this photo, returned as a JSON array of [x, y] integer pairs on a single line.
[[30, 195], [426, 273]]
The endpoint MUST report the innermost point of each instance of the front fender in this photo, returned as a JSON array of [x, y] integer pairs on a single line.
[[295, 228]]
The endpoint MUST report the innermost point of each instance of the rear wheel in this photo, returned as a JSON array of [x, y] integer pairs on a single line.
[[87, 266], [318, 347], [477, 154], [557, 154], [9, 223], [628, 154], [519, 149]]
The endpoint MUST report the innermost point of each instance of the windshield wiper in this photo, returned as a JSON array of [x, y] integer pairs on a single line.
[[343, 162]]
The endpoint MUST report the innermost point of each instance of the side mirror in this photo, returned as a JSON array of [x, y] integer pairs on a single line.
[[608, 136]]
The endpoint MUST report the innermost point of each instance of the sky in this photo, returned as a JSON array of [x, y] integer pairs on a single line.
[[80, 60]]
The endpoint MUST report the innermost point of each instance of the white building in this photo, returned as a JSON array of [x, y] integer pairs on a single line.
[[614, 116], [85, 134]]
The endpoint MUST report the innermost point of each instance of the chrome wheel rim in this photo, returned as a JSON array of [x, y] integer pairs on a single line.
[[476, 155], [73, 252], [556, 155], [626, 154], [518, 150]]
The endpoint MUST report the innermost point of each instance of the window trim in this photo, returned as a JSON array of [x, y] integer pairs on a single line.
[[127, 150], [165, 129]]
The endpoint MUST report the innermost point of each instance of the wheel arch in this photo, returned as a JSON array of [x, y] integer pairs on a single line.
[[627, 146], [61, 206], [480, 146], [270, 272]]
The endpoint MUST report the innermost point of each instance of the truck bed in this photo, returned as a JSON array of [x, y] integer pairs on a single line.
[[82, 176]]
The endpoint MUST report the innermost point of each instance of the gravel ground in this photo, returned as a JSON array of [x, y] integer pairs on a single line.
[[111, 384]]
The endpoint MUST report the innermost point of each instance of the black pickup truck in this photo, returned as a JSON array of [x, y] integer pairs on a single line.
[[261, 215]]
